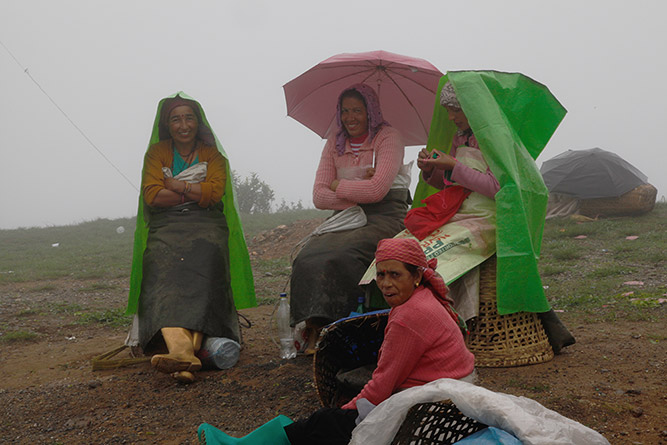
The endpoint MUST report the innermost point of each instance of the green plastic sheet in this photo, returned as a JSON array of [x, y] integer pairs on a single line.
[[513, 117], [243, 287]]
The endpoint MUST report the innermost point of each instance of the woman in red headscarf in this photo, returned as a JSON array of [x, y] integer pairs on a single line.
[[423, 342]]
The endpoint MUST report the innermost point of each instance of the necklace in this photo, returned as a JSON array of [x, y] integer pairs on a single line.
[[188, 159]]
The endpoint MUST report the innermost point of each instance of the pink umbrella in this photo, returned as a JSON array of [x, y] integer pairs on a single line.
[[406, 87]]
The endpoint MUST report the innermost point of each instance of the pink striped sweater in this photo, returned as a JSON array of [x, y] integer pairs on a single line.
[[388, 147]]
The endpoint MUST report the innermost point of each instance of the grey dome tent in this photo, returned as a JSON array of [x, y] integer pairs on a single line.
[[595, 182], [592, 173]]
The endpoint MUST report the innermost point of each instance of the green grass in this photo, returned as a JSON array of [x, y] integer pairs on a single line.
[[98, 287], [27, 312], [549, 270], [587, 275], [110, 317], [254, 224], [44, 288], [89, 250], [94, 249], [275, 267], [64, 308], [611, 270], [566, 253], [18, 336], [267, 300]]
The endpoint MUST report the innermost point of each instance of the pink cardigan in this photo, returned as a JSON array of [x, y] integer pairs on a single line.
[[388, 148], [483, 183], [422, 343]]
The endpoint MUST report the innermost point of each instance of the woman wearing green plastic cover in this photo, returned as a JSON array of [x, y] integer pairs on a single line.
[[462, 234], [183, 286], [510, 118]]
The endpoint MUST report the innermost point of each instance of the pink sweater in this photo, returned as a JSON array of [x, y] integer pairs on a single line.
[[483, 183], [388, 148], [422, 343]]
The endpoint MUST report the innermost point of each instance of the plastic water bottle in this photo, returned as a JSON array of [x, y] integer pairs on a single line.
[[287, 348], [219, 352]]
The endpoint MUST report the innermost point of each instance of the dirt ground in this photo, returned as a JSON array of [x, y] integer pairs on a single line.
[[612, 379]]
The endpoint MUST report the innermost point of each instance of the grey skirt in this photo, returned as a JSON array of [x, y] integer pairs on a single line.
[[326, 272], [186, 281]]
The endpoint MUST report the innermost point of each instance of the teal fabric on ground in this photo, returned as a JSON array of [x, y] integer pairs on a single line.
[[513, 117], [489, 436], [242, 283], [271, 433]]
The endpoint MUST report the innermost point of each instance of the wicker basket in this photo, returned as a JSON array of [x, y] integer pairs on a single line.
[[434, 424], [504, 340], [636, 202], [344, 345]]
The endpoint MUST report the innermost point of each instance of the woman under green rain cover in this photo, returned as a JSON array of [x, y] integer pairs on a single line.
[[486, 131], [183, 286]]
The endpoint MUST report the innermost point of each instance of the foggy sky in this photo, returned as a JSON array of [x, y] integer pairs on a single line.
[[107, 64]]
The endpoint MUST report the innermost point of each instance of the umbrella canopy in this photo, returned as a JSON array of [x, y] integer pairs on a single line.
[[405, 85], [592, 173]]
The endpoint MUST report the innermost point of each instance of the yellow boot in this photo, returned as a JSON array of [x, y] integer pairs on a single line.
[[181, 355], [187, 376], [197, 338]]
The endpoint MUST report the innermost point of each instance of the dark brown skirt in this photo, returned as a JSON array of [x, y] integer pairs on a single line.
[[327, 426], [186, 280], [326, 272]]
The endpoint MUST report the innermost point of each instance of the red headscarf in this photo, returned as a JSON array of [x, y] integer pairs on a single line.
[[410, 252]]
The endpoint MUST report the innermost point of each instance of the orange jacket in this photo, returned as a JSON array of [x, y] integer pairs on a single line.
[[161, 155]]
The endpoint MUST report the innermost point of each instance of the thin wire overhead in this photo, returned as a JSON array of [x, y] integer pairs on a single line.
[[92, 144]]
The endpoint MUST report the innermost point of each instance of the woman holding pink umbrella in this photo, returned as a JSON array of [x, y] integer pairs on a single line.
[[359, 167]]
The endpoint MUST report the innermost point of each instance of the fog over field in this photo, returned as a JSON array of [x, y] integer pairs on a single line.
[[106, 66]]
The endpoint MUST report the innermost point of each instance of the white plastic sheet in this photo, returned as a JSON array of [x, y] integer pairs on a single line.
[[350, 218], [526, 419], [195, 173]]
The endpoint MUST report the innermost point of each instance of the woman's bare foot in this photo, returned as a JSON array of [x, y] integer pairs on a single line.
[[313, 329]]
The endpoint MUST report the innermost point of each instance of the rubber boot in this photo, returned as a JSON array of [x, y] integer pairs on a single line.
[[271, 433], [197, 339], [181, 355], [187, 376]]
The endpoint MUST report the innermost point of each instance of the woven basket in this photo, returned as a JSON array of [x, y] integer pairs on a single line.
[[434, 424], [344, 345], [504, 340], [636, 202]]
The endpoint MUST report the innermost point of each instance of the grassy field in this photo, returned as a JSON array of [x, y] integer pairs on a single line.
[[62, 302], [595, 268], [95, 249], [584, 265]]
